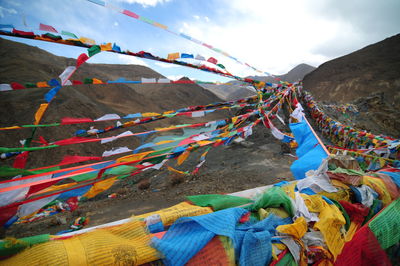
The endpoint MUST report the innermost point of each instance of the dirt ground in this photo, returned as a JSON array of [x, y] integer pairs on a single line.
[[255, 162]]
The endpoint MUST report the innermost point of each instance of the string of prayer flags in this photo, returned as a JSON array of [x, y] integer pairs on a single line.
[[44, 27]]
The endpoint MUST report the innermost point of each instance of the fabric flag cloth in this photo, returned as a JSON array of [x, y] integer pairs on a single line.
[[116, 151], [44, 27], [67, 74], [95, 49], [39, 113], [82, 58], [116, 48], [42, 84], [66, 33], [218, 201], [106, 47], [23, 33], [71, 120], [149, 80], [70, 159], [183, 55], [309, 151], [87, 41], [5, 87], [130, 13], [212, 60], [17, 86], [106, 140], [50, 95], [200, 57], [5, 26], [108, 117], [173, 56], [160, 80], [188, 235]]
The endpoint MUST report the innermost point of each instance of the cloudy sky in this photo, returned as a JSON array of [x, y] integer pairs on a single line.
[[273, 36]]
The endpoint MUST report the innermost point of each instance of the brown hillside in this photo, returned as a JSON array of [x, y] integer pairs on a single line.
[[375, 68], [23, 63]]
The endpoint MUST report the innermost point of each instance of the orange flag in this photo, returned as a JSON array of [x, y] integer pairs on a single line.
[[42, 84], [40, 112], [173, 56]]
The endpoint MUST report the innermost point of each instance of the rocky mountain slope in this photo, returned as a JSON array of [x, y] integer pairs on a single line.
[[23, 63], [369, 78]]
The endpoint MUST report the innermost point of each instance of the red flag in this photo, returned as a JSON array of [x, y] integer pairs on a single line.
[[71, 120], [44, 27], [77, 82], [17, 86], [70, 159], [81, 59], [7, 213], [212, 60], [23, 33], [20, 160], [130, 13]]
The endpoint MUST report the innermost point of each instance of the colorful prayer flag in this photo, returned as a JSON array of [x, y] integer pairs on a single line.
[[173, 56], [44, 27], [66, 33]]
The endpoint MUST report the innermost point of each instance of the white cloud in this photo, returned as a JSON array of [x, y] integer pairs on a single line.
[[275, 36], [8, 10], [196, 17], [165, 65], [207, 19], [145, 3], [116, 24]]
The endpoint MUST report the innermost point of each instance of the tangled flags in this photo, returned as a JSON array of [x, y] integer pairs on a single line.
[[280, 224]]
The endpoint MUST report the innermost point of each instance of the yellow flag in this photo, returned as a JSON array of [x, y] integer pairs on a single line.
[[106, 47], [183, 157], [173, 56], [87, 40], [100, 187], [133, 157], [40, 112], [149, 114]]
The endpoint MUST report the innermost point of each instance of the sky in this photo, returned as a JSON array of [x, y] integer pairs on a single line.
[[273, 36]]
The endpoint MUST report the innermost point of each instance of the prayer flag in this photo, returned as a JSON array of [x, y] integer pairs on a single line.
[[95, 49], [82, 58], [116, 48], [186, 55], [130, 13], [212, 60], [39, 113], [44, 27], [66, 33], [200, 57], [106, 47], [173, 56]]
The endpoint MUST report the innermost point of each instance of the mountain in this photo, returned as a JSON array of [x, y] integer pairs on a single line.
[[233, 90], [373, 69], [23, 63], [368, 78]]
